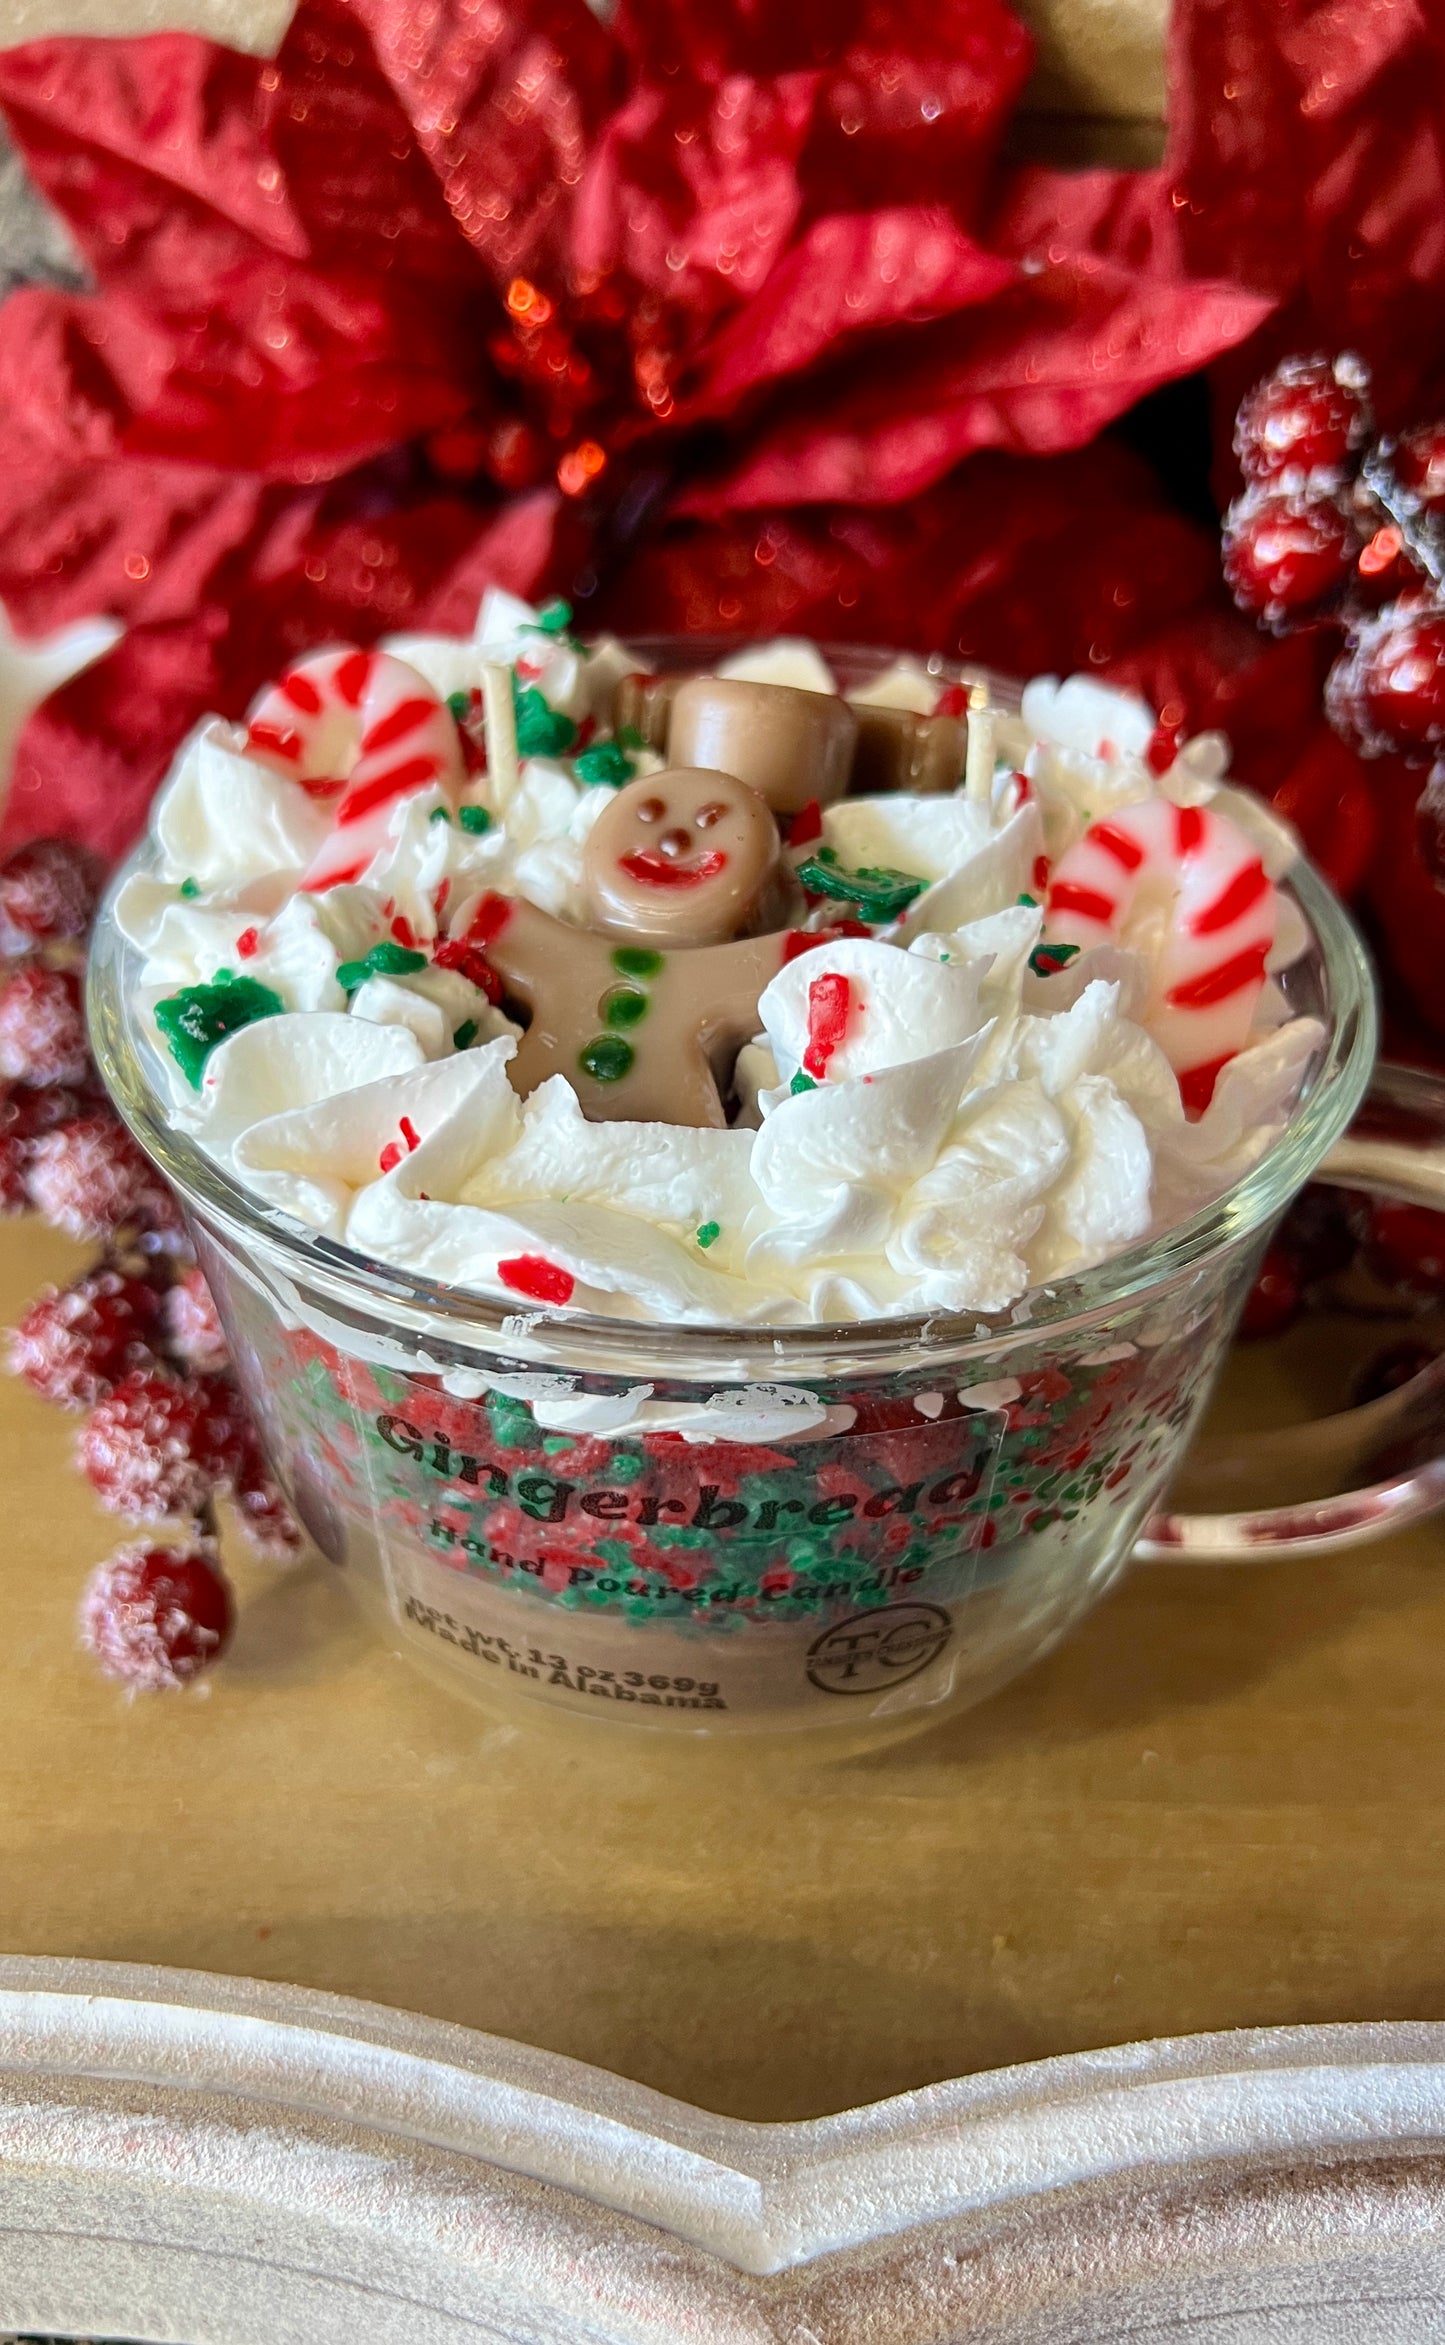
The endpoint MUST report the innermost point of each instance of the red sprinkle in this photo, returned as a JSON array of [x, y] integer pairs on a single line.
[[807, 824], [440, 898], [391, 1156], [830, 1011], [534, 1275], [402, 930], [470, 962], [1042, 868], [410, 1133], [248, 944], [489, 919], [952, 701]]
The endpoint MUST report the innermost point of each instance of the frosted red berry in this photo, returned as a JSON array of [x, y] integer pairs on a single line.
[[264, 1518], [1310, 415], [155, 1617], [1418, 462], [14, 1165], [193, 1332], [1387, 692], [1276, 1298], [48, 894], [76, 1343], [89, 1178], [148, 1448], [42, 1027], [1288, 559]]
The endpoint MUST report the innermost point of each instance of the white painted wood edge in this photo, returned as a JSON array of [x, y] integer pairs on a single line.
[[761, 2199]]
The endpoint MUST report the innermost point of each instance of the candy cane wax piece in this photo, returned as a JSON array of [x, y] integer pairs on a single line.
[[1185, 885], [364, 727]]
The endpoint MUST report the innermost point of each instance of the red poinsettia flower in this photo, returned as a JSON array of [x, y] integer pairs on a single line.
[[718, 316]]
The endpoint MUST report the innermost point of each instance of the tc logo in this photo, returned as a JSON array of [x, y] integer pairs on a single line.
[[876, 1649]]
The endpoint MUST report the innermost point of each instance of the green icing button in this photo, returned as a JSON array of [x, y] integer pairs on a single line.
[[606, 761], [474, 819], [194, 1020], [623, 1006], [384, 960], [636, 961], [465, 1034], [607, 1058]]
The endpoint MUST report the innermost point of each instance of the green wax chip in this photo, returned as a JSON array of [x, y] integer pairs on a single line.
[[542, 731], [555, 617], [879, 892], [801, 1082], [708, 1233], [439, 814], [384, 960], [607, 1058], [606, 761], [466, 1034], [190, 889], [474, 819], [1031, 901], [630, 737], [636, 961], [1047, 960], [194, 1020], [459, 703], [623, 1006]]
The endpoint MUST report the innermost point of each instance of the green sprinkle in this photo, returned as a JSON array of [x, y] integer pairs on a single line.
[[630, 737], [465, 1034], [542, 731], [194, 1020], [459, 703], [190, 889], [555, 617], [384, 960], [224, 977], [879, 892], [474, 819], [623, 1005], [606, 761], [607, 1058], [1031, 901], [439, 814], [801, 1082], [636, 961], [708, 1234], [1047, 960]]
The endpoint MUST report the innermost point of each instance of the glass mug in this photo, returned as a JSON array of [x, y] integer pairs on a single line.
[[719, 1531]]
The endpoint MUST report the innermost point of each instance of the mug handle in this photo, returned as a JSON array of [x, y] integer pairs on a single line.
[[1380, 1466]]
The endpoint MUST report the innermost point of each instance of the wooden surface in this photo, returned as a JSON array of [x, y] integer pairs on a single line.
[[1221, 1804]]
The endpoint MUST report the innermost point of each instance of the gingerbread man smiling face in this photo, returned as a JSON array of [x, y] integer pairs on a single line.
[[685, 857]]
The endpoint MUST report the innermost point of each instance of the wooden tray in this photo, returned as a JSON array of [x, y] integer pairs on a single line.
[[1219, 1805]]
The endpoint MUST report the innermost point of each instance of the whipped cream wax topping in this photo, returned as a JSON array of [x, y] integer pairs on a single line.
[[951, 1092]]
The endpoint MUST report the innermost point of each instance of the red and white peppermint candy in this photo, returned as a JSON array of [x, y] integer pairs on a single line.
[[1187, 886], [364, 728]]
